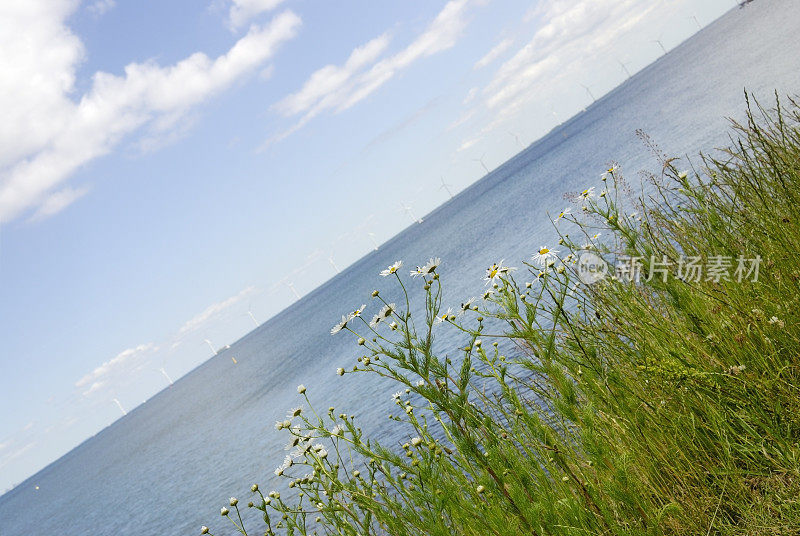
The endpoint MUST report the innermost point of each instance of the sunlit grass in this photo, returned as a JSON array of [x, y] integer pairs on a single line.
[[663, 404]]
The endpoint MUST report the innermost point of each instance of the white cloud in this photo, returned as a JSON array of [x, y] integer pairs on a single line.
[[242, 11], [212, 311], [100, 7], [329, 80], [493, 54], [46, 136], [58, 201], [123, 362], [339, 88], [567, 41]]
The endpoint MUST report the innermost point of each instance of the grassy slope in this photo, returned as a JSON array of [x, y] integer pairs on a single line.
[[668, 406]]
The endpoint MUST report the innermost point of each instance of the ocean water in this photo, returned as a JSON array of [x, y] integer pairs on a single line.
[[169, 465]]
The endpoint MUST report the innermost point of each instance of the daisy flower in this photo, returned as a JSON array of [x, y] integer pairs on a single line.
[[375, 320], [387, 310], [609, 171], [397, 395], [567, 211], [544, 256], [429, 268], [467, 305], [287, 463], [341, 325], [444, 316], [487, 294], [358, 311], [588, 193], [495, 271], [392, 269], [294, 412]]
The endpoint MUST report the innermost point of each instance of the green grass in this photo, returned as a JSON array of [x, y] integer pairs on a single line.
[[668, 406]]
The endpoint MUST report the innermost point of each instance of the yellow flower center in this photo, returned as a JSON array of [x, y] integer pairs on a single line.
[[544, 251]]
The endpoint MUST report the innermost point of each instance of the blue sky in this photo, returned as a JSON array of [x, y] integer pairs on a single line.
[[168, 167]]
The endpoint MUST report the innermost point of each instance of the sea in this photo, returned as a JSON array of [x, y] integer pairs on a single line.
[[168, 466]]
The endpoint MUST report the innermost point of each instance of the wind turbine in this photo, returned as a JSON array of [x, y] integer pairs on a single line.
[[291, 286], [589, 92], [624, 68], [445, 186], [120, 406], [372, 239], [334, 264], [253, 318], [516, 137], [210, 346], [661, 45], [552, 111], [481, 161], [164, 372], [407, 210]]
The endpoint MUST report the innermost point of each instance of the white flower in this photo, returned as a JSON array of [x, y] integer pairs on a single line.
[[279, 425], [416, 441], [495, 271], [234, 501], [428, 268], [487, 294], [301, 388], [444, 316], [392, 269], [340, 371], [544, 256], [433, 263], [588, 193], [294, 412], [385, 312], [358, 311], [287, 463], [467, 305], [420, 383], [610, 171], [563, 213], [397, 395], [341, 325], [337, 430]]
